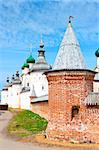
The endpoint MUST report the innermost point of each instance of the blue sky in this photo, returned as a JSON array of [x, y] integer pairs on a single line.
[[22, 22]]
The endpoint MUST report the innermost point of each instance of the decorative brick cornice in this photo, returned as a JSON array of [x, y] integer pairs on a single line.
[[70, 75]]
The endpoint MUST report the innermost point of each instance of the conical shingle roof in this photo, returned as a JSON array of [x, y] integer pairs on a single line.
[[69, 55]]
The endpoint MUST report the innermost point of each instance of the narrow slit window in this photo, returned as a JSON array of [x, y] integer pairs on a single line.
[[27, 84], [75, 111], [42, 87]]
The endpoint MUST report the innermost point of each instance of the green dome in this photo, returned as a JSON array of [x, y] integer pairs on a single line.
[[30, 59], [26, 65], [97, 53]]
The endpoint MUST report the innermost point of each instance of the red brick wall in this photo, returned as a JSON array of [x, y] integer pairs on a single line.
[[40, 108], [67, 89], [92, 123]]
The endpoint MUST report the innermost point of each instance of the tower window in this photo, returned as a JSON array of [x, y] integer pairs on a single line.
[[27, 84], [75, 111], [42, 87]]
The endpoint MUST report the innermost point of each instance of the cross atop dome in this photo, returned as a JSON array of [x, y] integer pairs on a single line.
[[41, 43], [30, 48]]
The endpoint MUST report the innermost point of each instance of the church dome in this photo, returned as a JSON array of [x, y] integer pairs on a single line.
[[97, 53], [25, 65], [30, 59]]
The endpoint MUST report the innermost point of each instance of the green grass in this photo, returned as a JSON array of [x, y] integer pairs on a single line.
[[26, 123]]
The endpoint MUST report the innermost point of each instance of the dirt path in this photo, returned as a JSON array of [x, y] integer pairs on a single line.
[[7, 143]]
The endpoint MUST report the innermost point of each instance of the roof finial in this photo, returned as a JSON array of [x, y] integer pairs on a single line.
[[30, 48], [13, 77], [41, 42], [17, 74], [7, 80], [70, 17]]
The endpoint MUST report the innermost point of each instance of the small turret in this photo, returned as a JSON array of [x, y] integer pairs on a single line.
[[41, 53], [97, 53], [30, 60], [16, 79], [97, 60], [96, 78], [17, 74], [41, 63]]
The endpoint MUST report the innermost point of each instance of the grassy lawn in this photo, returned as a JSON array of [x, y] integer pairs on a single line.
[[26, 123]]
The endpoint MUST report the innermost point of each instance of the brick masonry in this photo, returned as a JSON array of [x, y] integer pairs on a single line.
[[40, 108], [67, 90]]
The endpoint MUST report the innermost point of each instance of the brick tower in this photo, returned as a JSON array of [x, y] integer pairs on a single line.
[[69, 83]]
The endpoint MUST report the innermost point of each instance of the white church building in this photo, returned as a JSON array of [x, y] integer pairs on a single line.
[[19, 92]]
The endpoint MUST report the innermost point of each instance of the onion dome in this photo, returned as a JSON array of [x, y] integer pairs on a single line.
[[30, 59], [97, 53], [25, 65]]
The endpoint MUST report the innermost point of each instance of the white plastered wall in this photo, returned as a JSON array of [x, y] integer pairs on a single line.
[[25, 80], [40, 83], [25, 100], [96, 86], [16, 89], [4, 97]]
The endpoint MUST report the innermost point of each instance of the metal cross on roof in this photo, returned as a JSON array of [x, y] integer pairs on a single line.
[[30, 48], [70, 18]]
